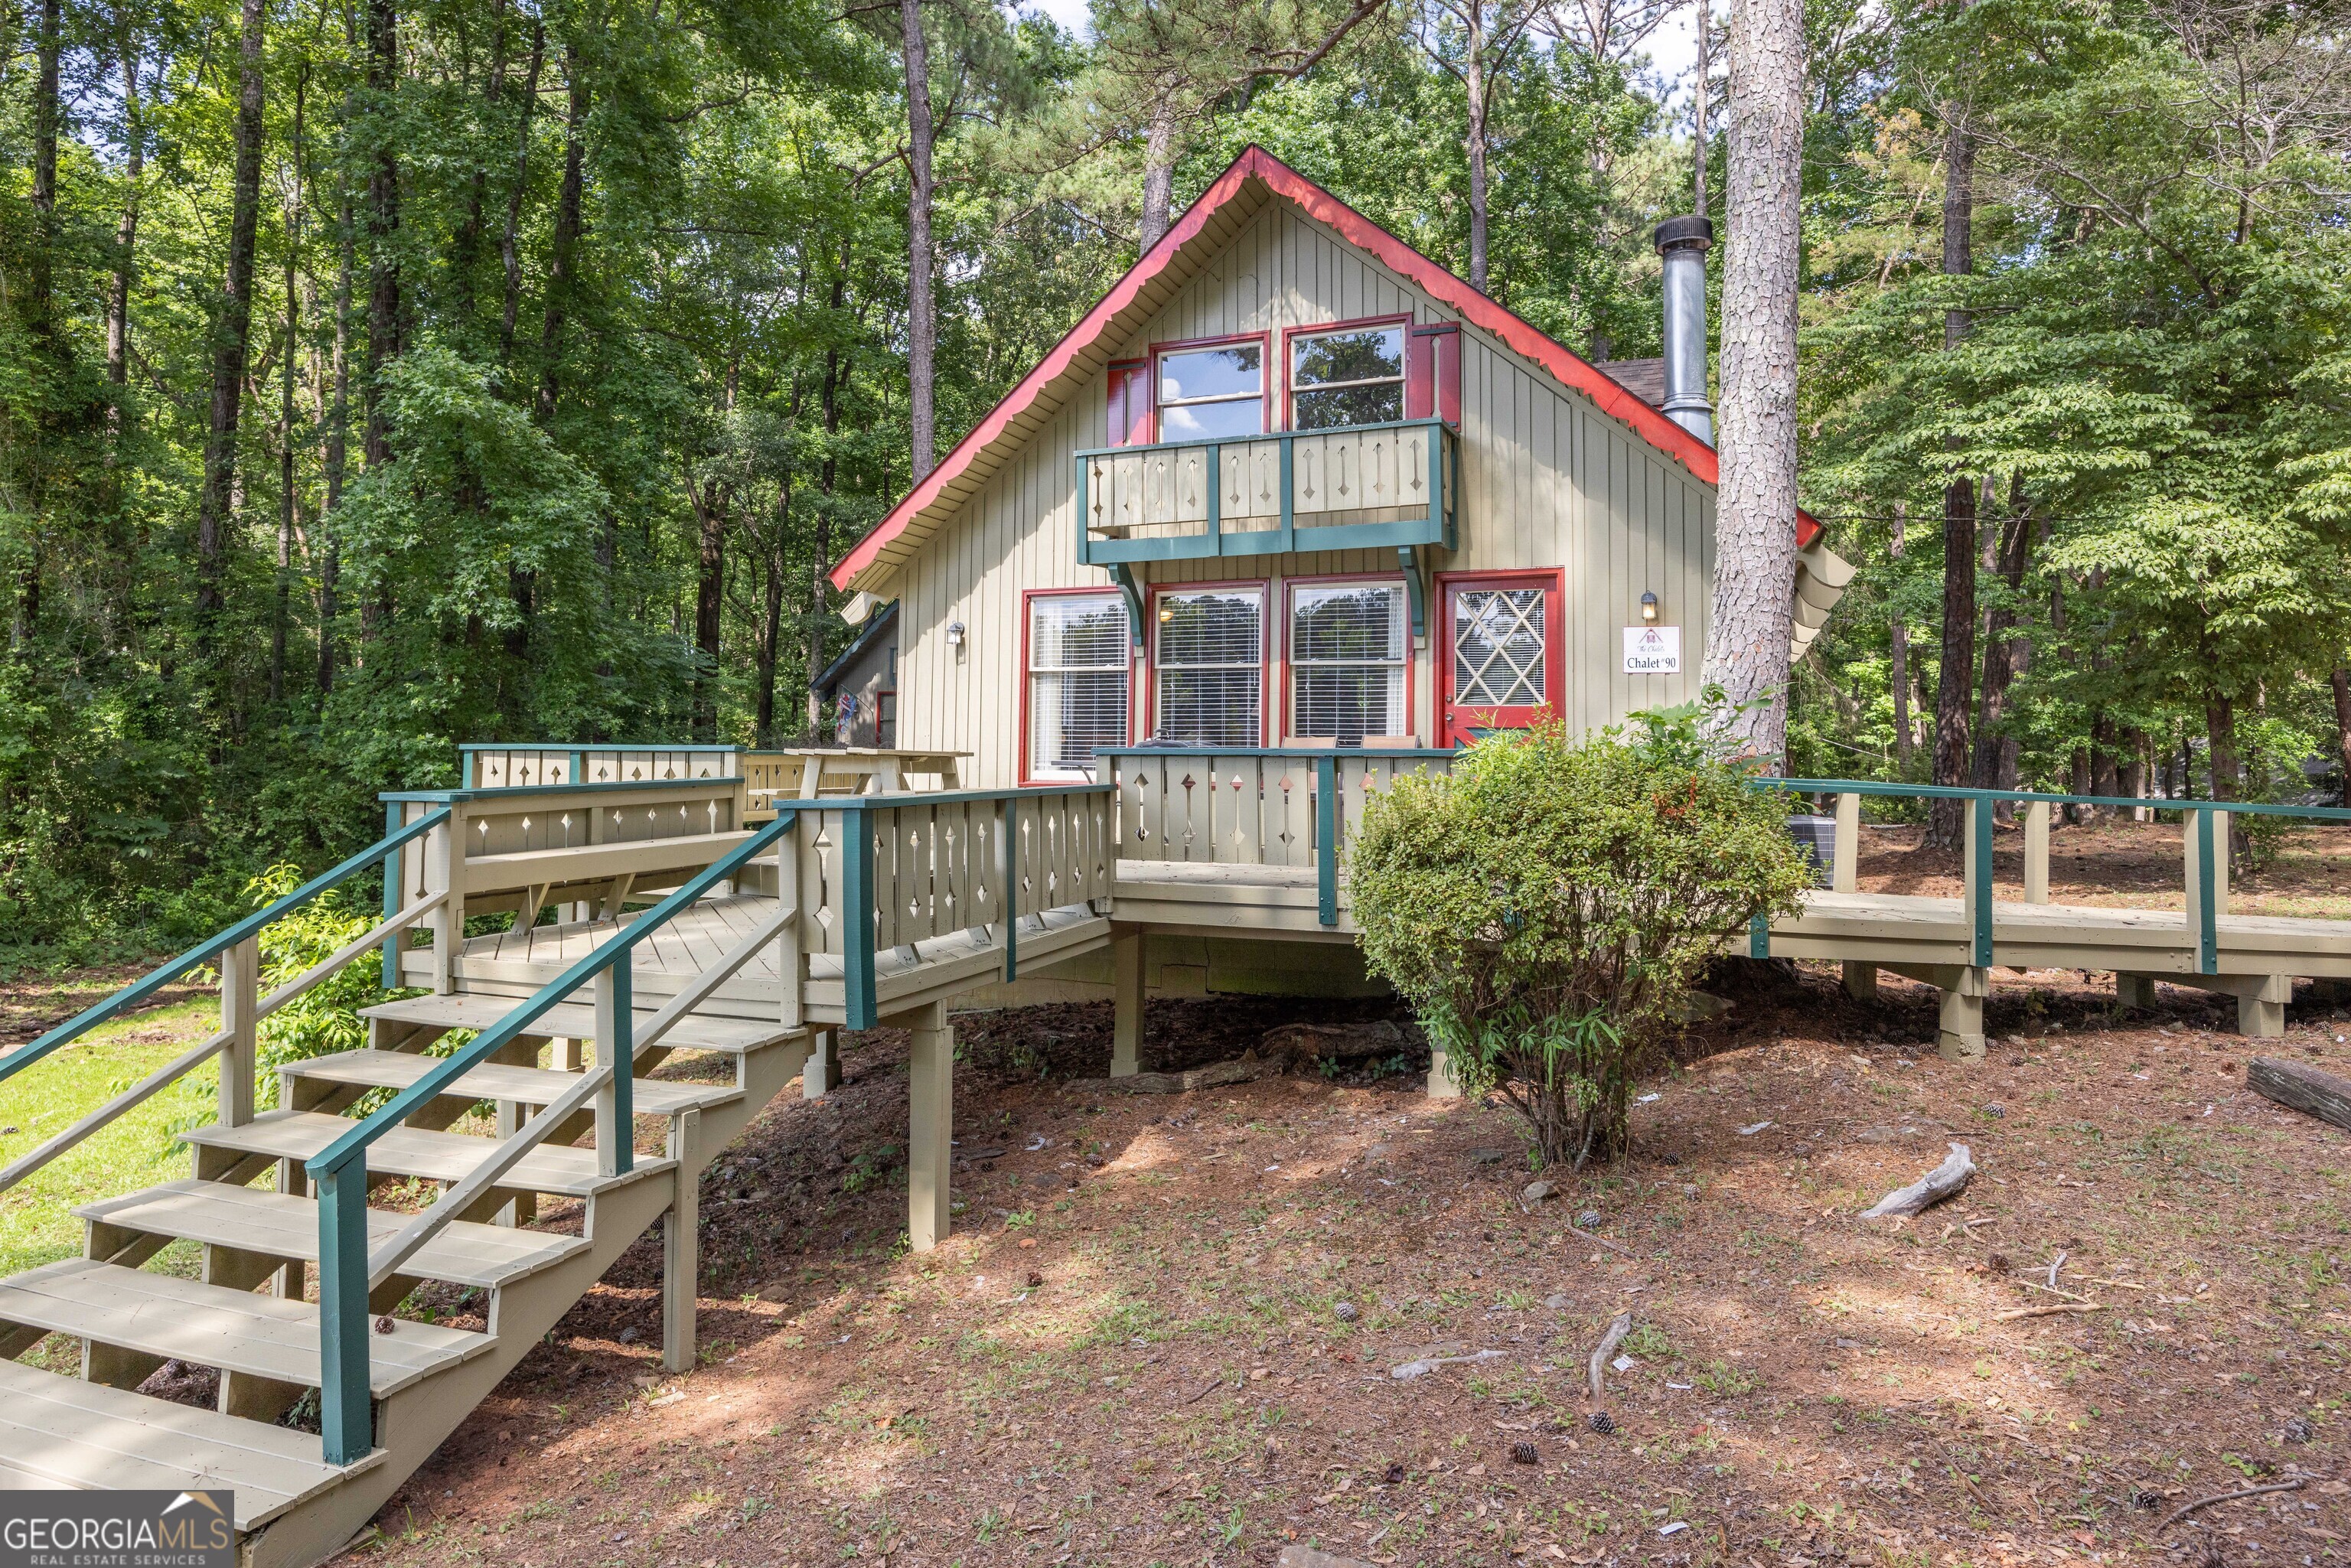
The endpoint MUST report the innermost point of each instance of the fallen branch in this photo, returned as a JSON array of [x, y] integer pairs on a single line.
[[1216, 1075], [1946, 1180], [1608, 1344], [2037, 1285], [2185, 1509], [2049, 1311], [1599, 1240], [2301, 1088]]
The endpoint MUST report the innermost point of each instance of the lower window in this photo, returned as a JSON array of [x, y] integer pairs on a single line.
[[1209, 661], [1077, 681], [1347, 653]]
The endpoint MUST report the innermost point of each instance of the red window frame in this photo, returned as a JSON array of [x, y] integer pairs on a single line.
[[1290, 585], [1026, 778], [1268, 668], [1453, 728], [1317, 329], [1268, 404]]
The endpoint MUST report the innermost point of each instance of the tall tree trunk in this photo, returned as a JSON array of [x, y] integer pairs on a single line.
[[1159, 168], [709, 596], [468, 247], [49, 43], [509, 253], [2340, 679], [921, 312], [231, 331], [827, 474], [1898, 671], [383, 229], [2002, 649], [564, 244], [281, 611], [1473, 83], [330, 465], [1952, 702], [771, 613], [126, 238], [1748, 648]]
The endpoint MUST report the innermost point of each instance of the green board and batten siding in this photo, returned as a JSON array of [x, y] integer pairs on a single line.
[[1547, 481]]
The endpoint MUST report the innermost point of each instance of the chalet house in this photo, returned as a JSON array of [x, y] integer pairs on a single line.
[[1290, 482]]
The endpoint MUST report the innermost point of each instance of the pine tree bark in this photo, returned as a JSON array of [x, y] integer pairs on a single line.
[[921, 312], [1952, 697], [331, 460], [281, 611], [1158, 172], [828, 475], [232, 330], [2002, 650], [48, 45], [468, 247], [1473, 83], [1898, 671], [1748, 647]]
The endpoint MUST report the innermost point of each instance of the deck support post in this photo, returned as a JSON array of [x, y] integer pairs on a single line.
[[240, 1007], [2205, 835], [2036, 853], [1844, 857], [681, 1245], [820, 1073], [1860, 977], [444, 872], [2261, 998], [1959, 1034], [616, 1051], [2134, 990], [931, 1116], [1126, 990]]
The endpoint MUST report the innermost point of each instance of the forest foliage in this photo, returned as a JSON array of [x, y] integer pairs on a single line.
[[562, 343]]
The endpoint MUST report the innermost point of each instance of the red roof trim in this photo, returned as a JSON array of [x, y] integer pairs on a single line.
[[1255, 163]]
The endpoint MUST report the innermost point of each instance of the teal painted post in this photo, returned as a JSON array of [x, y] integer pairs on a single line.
[[624, 1062], [857, 999], [1289, 511], [578, 774], [1326, 840], [1759, 937], [393, 863], [2207, 903], [1008, 871], [346, 1418], [1217, 497], [1085, 541], [1437, 484], [1979, 878]]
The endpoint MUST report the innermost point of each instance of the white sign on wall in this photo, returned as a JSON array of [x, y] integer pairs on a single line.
[[1652, 650]]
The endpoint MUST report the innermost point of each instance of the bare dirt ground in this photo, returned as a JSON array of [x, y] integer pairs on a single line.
[[1167, 1329]]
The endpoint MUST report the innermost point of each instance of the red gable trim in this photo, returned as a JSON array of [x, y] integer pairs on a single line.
[[1256, 163]]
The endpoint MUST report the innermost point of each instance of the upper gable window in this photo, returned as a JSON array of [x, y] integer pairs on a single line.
[[1212, 393], [1353, 376]]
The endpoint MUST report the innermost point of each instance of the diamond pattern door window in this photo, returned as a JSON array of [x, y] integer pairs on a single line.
[[1498, 640]]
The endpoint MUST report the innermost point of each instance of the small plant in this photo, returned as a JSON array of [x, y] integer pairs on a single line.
[[1548, 907], [1725, 1381]]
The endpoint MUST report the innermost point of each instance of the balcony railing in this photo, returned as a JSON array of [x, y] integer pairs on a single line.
[[1368, 486]]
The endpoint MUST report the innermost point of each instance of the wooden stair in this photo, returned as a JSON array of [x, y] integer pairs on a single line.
[[293, 1508]]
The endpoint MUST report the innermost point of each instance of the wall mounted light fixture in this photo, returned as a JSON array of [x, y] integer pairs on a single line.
[[954, 634], [1648, 607]]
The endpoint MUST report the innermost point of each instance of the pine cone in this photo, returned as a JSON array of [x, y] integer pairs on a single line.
[[1603, 1423], [1523, 1454]]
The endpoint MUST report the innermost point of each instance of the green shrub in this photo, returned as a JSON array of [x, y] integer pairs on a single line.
[[1547, 908]]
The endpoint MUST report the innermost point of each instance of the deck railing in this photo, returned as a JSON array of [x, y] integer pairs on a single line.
[[237, 952], [769, 775], [2204, 849], [1287, 806], [1364, 486]]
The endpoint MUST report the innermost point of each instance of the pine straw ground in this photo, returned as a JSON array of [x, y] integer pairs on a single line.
[[1131, 1349]]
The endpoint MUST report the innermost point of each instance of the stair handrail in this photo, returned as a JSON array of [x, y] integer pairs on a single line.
[[346, 1268], [245, 930]]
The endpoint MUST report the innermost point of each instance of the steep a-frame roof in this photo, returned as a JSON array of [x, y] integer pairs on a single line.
[[1211, 223]]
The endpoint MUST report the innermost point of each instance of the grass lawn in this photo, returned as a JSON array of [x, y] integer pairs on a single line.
[[37, 1222]]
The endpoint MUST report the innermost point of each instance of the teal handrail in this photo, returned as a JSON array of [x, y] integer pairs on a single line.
[[345, 1414], [1982, 802], [213, 946]]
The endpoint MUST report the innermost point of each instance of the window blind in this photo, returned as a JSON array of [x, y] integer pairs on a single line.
[[1210, 666], [1077, 681], [1347, 660]]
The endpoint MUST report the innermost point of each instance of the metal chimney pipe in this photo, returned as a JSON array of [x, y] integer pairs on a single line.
[[1683, 243]]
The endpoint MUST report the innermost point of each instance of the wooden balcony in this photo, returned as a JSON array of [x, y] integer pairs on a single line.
[[1370, 487]]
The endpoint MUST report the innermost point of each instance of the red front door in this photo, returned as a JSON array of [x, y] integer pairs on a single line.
[[1502, 659]]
